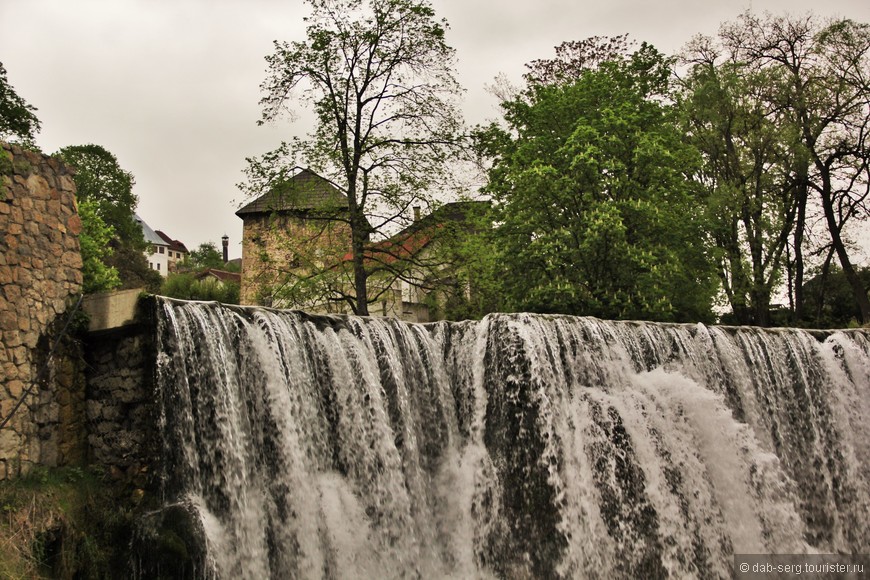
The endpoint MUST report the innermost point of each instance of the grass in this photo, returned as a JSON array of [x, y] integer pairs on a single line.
[[63, 523]]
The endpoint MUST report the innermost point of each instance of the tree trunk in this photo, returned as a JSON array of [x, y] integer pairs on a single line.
[[360, 275], [799, 230], [858, 290]]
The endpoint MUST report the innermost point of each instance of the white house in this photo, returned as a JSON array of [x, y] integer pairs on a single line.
[[163, 252]]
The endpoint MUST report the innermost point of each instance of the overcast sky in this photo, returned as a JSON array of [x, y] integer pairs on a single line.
[[171, 87]]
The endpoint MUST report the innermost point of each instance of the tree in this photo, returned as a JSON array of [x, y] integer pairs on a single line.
[[132, 267], [108, 190], [827, 69], [596, 209], [205, 256], [94, 241], [17, 118], [830, 301], [379, 76], [187, 286], [815, 94], [749, 149], [100, 179]]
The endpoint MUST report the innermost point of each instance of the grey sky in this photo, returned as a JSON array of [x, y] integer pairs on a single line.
[[171, 87]]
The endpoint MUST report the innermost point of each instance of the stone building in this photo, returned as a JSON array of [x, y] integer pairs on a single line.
[[297, 230], [287, 233]]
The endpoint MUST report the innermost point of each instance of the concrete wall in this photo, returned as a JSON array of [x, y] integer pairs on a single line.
[[40, 274], [111, 310]]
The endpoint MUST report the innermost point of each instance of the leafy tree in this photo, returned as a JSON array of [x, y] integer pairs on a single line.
[[597, 212], [749, 150], [132, 267], [829, 299], [205, 256], [17, 118], [108, 189], [100, 179], [810, 84], [379, 76], [94, 241]]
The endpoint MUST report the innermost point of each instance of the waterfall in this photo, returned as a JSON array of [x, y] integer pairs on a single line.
[[519, 446]]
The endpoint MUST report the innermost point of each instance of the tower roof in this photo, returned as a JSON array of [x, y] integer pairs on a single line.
[[305, 191]]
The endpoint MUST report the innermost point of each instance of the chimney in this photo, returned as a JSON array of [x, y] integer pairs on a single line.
[[416, 213], [226, 241]]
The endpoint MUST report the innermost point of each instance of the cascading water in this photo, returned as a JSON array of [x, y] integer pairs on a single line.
[[520, 446]]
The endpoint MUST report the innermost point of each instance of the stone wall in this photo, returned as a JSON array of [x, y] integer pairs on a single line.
[[40, 274], [121, 414], [276, 248]]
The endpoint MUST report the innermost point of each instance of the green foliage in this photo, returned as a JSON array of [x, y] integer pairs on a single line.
[[778, 106], [17, 118], [101, 180], [133, 269], [597, 213], [186, 286], [205, 256], [829, 299], [94, 241], [63, 523], [469, 287]]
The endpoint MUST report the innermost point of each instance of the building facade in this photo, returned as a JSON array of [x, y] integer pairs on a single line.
[[296, 253], [163, 253]]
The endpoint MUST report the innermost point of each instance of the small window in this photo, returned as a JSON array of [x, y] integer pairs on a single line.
[[160, 249], [158, 266]]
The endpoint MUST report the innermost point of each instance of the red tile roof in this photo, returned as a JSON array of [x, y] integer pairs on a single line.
[[221, 275], [174, 245]]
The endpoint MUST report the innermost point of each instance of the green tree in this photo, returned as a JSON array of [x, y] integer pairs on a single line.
[[94, 241], [205, 256], [808, 83], [749, 150], [100, 179], [102, 183], [829, 299], [132, 267], [597, 211], [17, 118], [379, 76]]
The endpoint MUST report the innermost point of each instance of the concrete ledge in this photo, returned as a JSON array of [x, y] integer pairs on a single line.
[[112, 309]]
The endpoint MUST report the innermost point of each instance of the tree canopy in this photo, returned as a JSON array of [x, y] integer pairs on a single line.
[[778, 105], [99, 178], [97, 276], [18, 119], [205, 256], [597, 213], [107, 191]]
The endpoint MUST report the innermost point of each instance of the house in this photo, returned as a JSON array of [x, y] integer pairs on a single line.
[[220, 276], [296, 253], [428, 279], [163, 253], [175, 250]]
